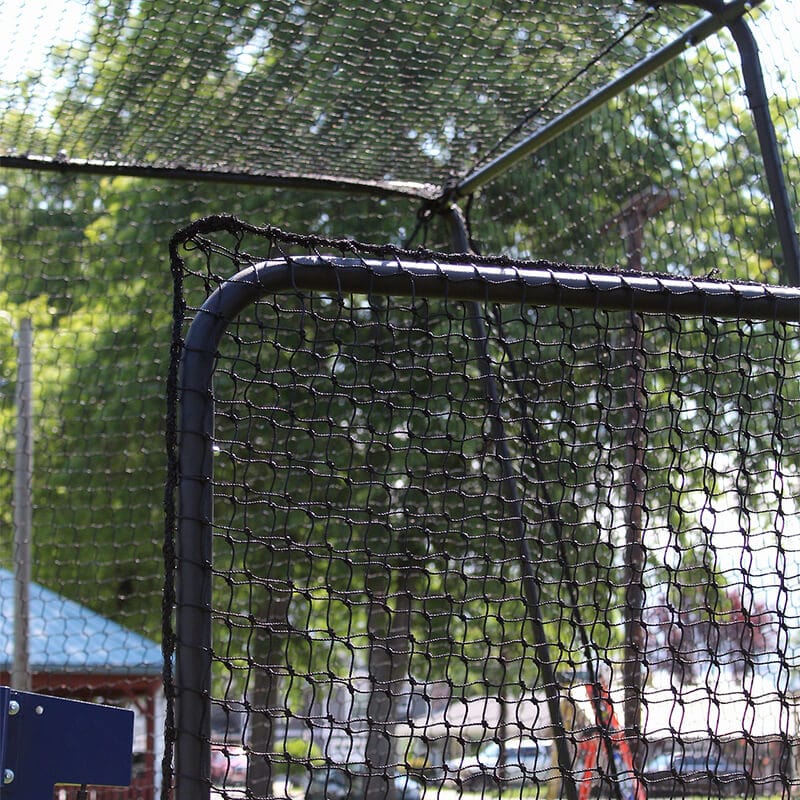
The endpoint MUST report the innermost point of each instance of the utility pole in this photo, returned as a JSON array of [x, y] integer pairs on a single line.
[[630, 221], [23, 504]]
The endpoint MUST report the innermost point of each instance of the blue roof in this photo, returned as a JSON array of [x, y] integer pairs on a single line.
[[65, 636]]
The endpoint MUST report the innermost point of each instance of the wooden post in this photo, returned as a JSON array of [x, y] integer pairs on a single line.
[[631, 220]]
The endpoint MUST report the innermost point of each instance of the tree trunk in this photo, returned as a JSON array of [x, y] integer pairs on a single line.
[[267, 654], [389, 657]]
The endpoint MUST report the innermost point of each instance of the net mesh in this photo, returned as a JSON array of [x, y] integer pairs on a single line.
[[657, 160], [448, 561], [315, 88], [120, 122]]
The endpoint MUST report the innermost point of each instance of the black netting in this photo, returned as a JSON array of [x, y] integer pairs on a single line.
[[408, 91], [614, 132], [675, 159], [482, 546], [418, 100], [84, 259]]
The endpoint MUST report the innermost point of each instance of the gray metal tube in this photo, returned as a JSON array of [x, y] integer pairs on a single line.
[[537, 284], [765, 130], [530, 584], [410, 189], [194, 553], [23, 506], [773, 166]]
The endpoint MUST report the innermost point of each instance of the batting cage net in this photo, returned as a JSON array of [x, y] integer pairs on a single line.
[[645, 136], [446, 524]]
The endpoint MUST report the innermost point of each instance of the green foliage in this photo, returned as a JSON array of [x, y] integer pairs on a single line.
[[85, 258], [685, 131], [297, 756]]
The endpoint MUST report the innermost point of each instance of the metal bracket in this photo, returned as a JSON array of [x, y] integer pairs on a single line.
[[46, 741]]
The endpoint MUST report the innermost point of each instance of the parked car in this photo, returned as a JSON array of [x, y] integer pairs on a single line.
[[677, 775], [228, 766], [350, 783], [523, 758]]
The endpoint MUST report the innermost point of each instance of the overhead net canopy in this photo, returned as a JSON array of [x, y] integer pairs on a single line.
[[414, 92], [474, 99], [623, 133]]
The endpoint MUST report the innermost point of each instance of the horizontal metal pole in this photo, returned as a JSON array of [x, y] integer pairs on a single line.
[[697, 33], [279, 180], [528, 285]]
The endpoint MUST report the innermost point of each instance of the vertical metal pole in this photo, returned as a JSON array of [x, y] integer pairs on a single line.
[[632, 224], [23, 506], [759, 106], [193, 621], [460, 243], [194, 578], [773, 167], [551, 516]]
